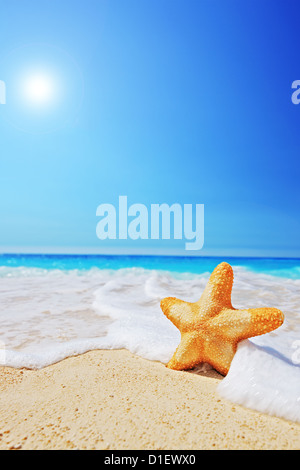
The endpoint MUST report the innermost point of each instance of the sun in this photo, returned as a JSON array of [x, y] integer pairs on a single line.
[[39, 89]]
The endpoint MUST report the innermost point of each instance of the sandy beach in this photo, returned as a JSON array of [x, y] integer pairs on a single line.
[[118, 401]]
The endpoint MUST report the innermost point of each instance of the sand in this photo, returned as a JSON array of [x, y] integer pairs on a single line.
[[118, 401]]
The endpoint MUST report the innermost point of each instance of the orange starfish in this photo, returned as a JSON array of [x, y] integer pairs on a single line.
[[211, 328]]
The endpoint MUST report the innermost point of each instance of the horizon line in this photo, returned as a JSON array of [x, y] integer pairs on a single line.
[[86, 251]]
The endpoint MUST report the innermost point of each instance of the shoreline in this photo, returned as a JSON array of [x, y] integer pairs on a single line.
[[112, 399]]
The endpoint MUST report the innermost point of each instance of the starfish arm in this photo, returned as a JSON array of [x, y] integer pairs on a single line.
[[187, 354], [219, 287], [262, 320], [236, 325], [179, 312], [219, 353]]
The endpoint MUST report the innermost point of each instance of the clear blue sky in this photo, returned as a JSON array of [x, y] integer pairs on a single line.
[[185, 101]]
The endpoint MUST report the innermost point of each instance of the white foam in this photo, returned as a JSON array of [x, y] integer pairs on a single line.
[[49, 315], [262, 380]]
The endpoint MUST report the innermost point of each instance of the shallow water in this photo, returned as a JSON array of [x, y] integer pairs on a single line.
[[49, 312]]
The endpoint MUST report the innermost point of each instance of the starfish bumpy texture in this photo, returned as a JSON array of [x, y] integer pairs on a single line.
[[211, 328]]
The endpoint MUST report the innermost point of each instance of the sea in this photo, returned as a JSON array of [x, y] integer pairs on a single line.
[[56, 306]]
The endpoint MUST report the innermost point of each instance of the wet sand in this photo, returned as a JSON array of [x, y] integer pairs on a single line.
[[118, 401]]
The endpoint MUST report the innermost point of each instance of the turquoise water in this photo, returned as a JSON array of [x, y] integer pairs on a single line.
[[284, 267]]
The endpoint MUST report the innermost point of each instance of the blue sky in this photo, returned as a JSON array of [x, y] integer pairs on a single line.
[[165, 101]]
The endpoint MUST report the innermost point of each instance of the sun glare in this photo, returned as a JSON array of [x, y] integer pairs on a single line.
[[39, 89]]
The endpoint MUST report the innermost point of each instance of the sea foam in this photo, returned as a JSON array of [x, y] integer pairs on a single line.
[[48, 315]]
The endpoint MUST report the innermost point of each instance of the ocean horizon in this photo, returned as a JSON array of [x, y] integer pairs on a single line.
[[276, 266]]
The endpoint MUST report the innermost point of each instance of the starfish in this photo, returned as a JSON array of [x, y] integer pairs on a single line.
[[211, 328]]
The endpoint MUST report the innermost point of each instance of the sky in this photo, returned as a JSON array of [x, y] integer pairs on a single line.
[[162, 101]]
